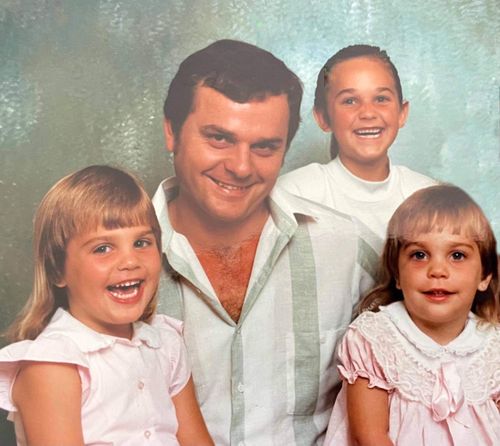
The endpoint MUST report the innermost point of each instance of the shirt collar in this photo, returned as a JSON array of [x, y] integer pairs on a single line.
[[363, 190], [285, 209], [88, 340], [167, 190], [471, 338]]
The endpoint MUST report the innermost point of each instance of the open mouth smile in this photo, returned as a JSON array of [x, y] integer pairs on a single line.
[[373, 132], [126, 291]]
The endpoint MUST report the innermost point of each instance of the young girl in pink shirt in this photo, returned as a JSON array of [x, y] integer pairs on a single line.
[[420, 365], [93, 364]]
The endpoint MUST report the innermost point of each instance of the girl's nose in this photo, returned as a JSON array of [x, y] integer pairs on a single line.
[[438, 268], [366, 111], [128, 260]]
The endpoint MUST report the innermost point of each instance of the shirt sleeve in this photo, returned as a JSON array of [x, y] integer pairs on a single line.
[[356, 360], [178, 363], [56, 350]]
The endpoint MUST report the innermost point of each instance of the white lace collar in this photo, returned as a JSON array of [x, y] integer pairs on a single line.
[[471, 338]]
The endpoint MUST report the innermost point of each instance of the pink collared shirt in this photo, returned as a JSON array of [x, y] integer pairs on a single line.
[[127, 385]]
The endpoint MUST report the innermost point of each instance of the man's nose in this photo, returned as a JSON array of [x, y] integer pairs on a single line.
[[239, 161]]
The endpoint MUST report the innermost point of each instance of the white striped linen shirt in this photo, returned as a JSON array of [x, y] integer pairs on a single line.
[[269, 378]]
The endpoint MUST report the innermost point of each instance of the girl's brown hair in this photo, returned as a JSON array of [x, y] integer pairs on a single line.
[[434, 209], [348, 53], [80, 202]]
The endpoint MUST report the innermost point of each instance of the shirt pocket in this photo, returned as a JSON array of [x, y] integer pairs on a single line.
[[310, 369]]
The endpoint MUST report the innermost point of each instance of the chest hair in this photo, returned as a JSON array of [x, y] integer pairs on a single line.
[[229, 268]]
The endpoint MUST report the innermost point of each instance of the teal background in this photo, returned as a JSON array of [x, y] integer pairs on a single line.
[[83, 82]]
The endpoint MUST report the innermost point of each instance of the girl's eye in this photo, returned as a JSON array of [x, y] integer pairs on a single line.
[[143, 243], [418, 255], [457, 255], [348, 101], [102, 249]]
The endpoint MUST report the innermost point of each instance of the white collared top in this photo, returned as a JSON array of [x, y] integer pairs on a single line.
[[269, 378], [127, 385]]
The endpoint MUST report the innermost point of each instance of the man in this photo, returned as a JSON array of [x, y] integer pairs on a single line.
[[264, 281]]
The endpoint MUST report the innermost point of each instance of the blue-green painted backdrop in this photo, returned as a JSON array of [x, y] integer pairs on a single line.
[[82, 82]]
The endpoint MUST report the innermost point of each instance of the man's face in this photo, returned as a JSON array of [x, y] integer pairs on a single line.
[[228, 156]]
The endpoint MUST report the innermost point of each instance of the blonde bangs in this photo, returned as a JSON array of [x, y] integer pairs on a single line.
[[121, 211], [98, 196], [80, 202], [467, 221]]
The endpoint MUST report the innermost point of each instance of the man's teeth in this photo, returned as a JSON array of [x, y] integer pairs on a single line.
[[125, 290], [369, 133], [228, 186]]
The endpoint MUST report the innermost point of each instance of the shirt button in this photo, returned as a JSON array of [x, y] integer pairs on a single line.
[[241, 388], [140, 385], [147, 434]]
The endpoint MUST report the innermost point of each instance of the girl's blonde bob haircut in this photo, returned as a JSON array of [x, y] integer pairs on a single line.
[[438, 208], [80, 202]]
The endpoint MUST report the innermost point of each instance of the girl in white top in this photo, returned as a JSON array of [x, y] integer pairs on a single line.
[[359, 100], [92, 363], [420, 365]]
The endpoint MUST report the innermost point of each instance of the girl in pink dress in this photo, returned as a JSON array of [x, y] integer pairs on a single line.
[[93, 364], [421, 363]]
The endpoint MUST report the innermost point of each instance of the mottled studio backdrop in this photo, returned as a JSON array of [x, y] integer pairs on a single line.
[[82, 82]]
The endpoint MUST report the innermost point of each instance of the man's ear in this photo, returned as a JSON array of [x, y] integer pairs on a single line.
[[169, 135], [322, 120]]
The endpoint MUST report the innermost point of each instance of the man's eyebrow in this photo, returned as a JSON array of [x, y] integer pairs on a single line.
[[212, 128], [268, 141], [209, 129]]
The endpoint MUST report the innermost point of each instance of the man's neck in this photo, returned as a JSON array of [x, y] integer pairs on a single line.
[[204, 232]]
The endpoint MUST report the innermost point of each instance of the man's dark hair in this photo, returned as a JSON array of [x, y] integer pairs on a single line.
[[240, 71]]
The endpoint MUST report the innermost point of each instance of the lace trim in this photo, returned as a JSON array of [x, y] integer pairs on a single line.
[[413, 379], [399, 322]]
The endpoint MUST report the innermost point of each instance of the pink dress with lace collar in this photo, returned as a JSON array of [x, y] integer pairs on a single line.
[[438, 395]]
